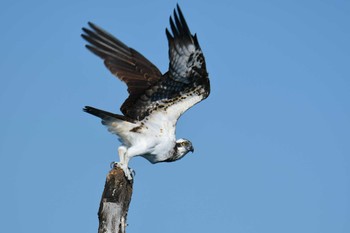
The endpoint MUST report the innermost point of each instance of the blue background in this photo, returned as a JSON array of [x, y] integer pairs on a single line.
[[271, 142]]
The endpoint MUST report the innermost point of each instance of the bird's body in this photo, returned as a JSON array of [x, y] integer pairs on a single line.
[[154, 139], [155, 101]]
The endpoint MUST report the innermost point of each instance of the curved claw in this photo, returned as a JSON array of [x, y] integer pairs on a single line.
[[113, 164], [129, 172], [133, 172]]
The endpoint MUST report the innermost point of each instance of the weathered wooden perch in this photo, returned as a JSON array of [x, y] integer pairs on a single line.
[[115, 202]]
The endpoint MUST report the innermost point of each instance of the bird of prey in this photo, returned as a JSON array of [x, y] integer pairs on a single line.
[[156, 100]]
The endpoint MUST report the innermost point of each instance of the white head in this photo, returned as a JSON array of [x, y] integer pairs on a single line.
[[182, 147]]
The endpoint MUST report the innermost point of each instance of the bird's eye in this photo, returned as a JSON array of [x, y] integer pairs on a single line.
[[183, 143]]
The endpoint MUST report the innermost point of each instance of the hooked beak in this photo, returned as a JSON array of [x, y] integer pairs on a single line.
[[192, 149]]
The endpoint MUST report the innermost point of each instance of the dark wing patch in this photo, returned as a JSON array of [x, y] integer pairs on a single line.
[[187, 75], [187, 63], [149, 91], [126, 63]]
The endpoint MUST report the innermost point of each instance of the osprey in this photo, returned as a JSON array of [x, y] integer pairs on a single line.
[[156, 100]]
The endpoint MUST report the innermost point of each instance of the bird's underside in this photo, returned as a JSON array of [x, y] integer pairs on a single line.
[[156, 101]]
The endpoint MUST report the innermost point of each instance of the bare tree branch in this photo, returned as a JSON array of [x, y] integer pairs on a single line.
[[115, 202]]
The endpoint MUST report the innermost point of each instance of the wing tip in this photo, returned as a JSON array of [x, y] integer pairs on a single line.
[[178, 26], [87, 109]]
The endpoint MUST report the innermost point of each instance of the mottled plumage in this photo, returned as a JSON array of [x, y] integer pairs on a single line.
[[156, 101]]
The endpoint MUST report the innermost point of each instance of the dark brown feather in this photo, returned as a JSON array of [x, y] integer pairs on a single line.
[[149, 90], [126, 63]]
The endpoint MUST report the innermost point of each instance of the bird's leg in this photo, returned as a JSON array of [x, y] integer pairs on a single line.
[[124, 160], [121, 152], [129, 173]]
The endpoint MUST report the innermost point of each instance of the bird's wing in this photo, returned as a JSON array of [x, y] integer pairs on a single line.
[[185, 84], [187, 63], [126, 63]]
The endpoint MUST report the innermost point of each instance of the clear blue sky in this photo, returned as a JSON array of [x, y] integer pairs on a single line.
[[272, 142]]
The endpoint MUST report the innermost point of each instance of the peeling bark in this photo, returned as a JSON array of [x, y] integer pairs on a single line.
[[115, 202]]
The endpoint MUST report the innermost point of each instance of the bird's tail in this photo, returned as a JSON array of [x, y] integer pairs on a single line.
[[105, 116]]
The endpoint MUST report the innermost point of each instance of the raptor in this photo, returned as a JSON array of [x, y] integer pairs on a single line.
[[147, 124]]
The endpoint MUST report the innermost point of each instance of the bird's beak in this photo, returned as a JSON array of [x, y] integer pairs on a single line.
[[192, 149]]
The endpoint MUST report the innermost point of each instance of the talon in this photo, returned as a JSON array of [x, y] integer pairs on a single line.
[[129, 172], [113, 164], [132, 172]]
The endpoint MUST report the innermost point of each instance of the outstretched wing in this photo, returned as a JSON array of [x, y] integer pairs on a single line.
[[187, 64], [126, 63], [185, 84]]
